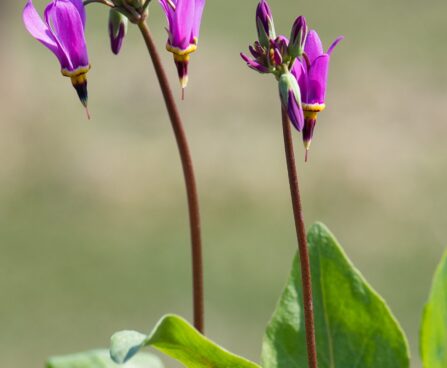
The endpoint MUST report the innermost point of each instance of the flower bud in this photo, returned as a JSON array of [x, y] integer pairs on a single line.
[[264, 24], [298, 37], [290, 95], [117, 30]]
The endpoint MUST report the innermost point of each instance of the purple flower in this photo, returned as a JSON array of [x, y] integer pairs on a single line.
[[62, 32], [117, 30], [184, 18], [312, 74], [264, 23]]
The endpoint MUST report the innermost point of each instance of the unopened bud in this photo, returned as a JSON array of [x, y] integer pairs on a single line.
[[290, 94], [298, 37], [117, 30], [264, 24]]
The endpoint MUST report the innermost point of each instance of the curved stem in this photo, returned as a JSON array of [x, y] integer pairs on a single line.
[[302, 242], [191, 189]]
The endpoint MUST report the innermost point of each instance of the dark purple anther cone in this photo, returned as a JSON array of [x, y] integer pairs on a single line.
[[308, 131], [117, 42], [81, 90], [182, 70]]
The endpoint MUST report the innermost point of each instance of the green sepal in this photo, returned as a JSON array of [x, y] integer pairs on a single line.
[[296, 46], [116, 20], [264, 38]]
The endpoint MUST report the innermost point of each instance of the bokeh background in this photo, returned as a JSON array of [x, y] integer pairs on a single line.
[[93, 226]]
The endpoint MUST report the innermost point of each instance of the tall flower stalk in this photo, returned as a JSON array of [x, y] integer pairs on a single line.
[[188, 170], [62, 32], [300, 228], [301, 67]]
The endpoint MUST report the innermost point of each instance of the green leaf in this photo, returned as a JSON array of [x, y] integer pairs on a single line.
[[433, 342], [176, 338], [354, 326], [101, 359]]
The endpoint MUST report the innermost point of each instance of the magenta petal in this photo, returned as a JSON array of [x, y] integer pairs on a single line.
[[198, 11], [81, 10], [335, 43], [169, 12], [67, 26], [40, 31], [313, 47], [299, 72], [183, 23], [317, 80]]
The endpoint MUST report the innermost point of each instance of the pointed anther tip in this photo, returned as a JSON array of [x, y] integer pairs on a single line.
[[184, 82], [89, 117], [307, 144]]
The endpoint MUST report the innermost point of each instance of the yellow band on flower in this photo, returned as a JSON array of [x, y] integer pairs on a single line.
[[77, 72], [311, 110], [180, 52]]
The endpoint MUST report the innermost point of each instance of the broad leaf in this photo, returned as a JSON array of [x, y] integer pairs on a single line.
[[354, 326], [434, 321], [101, 359], [179, 340]]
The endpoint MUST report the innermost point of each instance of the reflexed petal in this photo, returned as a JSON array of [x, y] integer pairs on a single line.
[[169, 12], [335, 43], [65, 21], [317, 80], [81, 10], [198, 11], [40, 31], [183, 23], [299, 72], [313, 47], [308, 132]]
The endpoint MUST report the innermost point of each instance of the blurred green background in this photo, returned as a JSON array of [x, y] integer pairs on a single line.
[[93, 226]]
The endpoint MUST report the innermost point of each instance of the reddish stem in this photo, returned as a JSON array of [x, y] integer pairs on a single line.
[[302, 242], [188, 171]]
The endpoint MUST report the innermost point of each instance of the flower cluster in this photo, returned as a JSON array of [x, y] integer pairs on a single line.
[[62, 31], [299, 64]]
